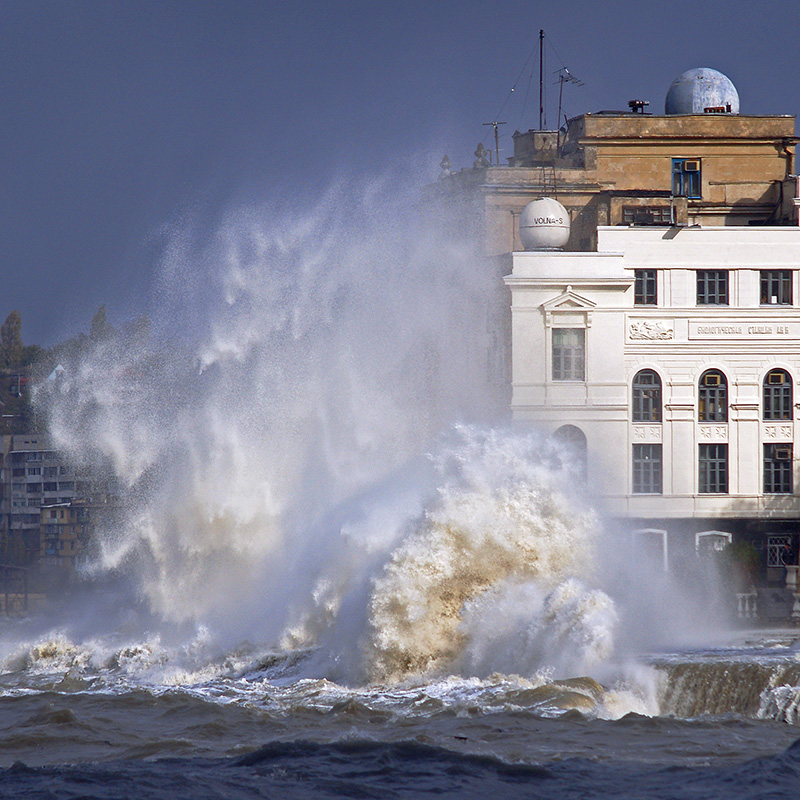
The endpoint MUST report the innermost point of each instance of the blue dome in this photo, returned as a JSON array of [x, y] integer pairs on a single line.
[[700, 89]]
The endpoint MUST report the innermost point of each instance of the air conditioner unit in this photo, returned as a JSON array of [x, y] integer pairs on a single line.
[[775, 378], [783, 453], [691, 166], [711, 380]]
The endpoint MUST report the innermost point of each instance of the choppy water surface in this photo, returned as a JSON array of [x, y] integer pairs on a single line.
[[93, 721], [335, 570]]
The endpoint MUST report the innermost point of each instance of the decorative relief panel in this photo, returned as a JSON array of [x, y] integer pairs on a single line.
[[779, 433], [651, 330], [713, 433], [647, 433]]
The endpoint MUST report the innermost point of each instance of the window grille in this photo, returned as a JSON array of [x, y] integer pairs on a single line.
[[713, 472], [645, 292], [712, 397], [776, 287], [777, 395], [712, 287], [778, 468], [646, 396], [568, 354], [647, 215], [647, 469], [778, 548]]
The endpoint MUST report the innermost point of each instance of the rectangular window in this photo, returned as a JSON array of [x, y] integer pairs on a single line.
[[644, 287], [34, 470], [778, 550], [713, 463], [647, 215], [647, 469], [712, 287], [686, 177], [569, 345], [776, 287], [778, 469]]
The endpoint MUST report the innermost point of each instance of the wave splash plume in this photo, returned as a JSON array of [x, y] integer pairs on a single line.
[[272, 468]]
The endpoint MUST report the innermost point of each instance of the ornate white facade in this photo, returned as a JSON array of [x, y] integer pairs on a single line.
[[675, 353]]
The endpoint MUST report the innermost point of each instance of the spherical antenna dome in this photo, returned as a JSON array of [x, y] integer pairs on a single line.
[[543, 225], [700, 89]]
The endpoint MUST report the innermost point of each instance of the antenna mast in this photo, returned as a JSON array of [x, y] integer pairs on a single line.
[[564, 76], [541, 77], [496, 141]]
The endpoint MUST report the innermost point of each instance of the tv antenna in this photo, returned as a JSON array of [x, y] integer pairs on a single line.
[[496, 125], [564, 76]]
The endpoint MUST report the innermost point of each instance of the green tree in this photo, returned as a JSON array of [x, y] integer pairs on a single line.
[[11, 346]]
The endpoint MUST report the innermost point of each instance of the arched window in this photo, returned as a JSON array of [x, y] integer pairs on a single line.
[[712, 401], [646, 396], [777, 395], [573, 442]]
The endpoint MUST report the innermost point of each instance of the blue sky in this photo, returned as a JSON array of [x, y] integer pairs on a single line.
[[117, 116]]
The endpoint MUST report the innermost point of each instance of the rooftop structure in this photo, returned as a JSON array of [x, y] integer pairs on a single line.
[[712, 167], [702, 91]]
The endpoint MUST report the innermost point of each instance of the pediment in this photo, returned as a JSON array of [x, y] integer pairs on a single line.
[[568, 301]]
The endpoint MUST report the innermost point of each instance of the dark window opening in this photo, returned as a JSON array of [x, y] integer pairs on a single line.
[[776, 287], [778, 469], [713, 463], [712, 405], [647, 469], [645, 292], [647, 215], [712, 287], [686, 177], [646, 396], [777, 395]]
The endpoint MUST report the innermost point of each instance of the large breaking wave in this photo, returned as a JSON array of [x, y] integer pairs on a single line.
[[318, 459]]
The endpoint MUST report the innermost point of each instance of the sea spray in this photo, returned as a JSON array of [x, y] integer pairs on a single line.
[[322, 349], [269, 466]]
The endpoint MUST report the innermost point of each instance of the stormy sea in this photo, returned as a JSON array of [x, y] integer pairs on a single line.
[[336, 569]]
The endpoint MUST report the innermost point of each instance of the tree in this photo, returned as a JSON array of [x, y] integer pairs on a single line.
[[100, 328], [11, 341]]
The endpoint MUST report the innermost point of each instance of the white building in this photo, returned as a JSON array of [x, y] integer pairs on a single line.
[[664, 344], [671, 355]]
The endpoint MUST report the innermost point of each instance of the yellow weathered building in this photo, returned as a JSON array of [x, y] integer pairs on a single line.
[[709, 168]]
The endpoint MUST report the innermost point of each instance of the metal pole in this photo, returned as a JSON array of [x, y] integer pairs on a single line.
[[496, 125], [541, 77]]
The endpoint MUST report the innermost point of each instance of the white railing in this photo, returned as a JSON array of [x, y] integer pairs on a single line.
[[748, 605]]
